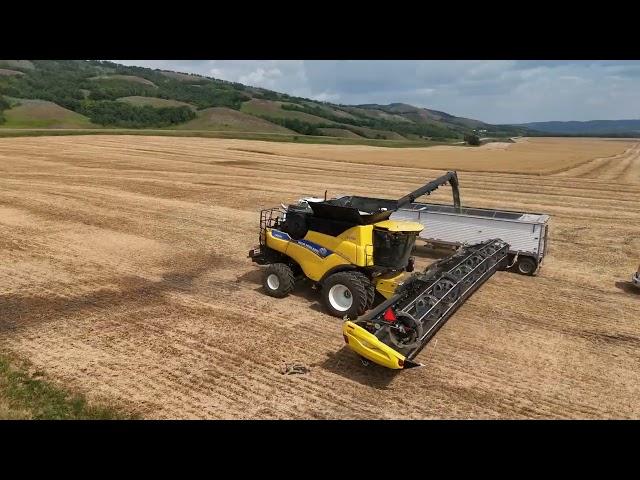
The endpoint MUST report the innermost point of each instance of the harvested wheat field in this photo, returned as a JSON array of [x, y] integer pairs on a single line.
[[125, 276]]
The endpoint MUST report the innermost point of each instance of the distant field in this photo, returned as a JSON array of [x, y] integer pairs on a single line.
[[339, 132], [154, 102], [223, 134], [126, 78], [535, 155], [9, 73], [221, 118], [183, 77], [373, 133], [333, 111], [379, 114], [25, 64], [125, 278], [273, 109], [43, 114]]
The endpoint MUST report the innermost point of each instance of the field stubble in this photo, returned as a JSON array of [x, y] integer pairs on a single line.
[[125, 275]]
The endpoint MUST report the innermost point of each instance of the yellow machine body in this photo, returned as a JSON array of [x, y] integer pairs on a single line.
[[371, 250], [319, 254], [368, 346], [386, 284]]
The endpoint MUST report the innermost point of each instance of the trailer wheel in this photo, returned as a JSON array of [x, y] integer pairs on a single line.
[[278, 280], [345, 294], [526, 266]]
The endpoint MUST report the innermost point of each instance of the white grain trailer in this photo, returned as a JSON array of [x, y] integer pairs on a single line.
[[454, 225]]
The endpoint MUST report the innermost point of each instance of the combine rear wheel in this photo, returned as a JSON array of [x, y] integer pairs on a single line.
[[345, 294], [278, 280]]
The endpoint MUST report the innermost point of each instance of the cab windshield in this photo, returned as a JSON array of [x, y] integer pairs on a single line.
[[392, 249]]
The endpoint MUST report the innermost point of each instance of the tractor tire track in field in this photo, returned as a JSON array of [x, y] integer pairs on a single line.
[[125, 274], [624, 167]]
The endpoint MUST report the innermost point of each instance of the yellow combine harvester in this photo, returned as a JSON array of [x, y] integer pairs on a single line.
[[350, 250]]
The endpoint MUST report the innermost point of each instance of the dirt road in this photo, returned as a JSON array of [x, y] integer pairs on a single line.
[[124, 274]]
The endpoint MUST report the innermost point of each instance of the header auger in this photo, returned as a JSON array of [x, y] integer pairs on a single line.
[[394, 332]]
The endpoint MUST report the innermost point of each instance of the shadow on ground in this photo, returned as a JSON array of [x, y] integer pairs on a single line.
[[302, 289], [18, 310], [252, 276], [343, 362], [628, 287], [347, 364]]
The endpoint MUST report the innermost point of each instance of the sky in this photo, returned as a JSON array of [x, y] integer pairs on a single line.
[[494, 91]]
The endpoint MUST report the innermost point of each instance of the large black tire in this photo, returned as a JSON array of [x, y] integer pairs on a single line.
[[369, 287], [371, 291], [526, 266], [278, 280], [349, 297]]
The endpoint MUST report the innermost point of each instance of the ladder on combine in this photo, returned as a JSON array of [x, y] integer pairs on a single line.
[[408, 320]]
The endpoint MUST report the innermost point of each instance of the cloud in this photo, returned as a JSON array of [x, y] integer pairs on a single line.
[[496, 91]]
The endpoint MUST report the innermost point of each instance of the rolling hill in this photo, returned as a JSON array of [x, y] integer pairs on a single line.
[[273, 109], [109, 95], [592, 127], [7, 72], [153, 102], [17, 64], [26, 113], [227, 119], [124, 78]]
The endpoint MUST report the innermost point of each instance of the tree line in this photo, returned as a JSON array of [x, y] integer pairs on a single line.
[[122, 114], [361, 120], [307, 128], [298, 126], [79, 86], [4, 105]]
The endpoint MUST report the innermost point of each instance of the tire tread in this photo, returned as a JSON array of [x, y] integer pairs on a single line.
[[354, 282], [286, 276]]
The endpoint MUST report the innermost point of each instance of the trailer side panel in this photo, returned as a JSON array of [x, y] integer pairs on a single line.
[[525, 237]]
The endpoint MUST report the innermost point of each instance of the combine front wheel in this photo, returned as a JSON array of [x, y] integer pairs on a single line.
[[344, 293], [369, 287]]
